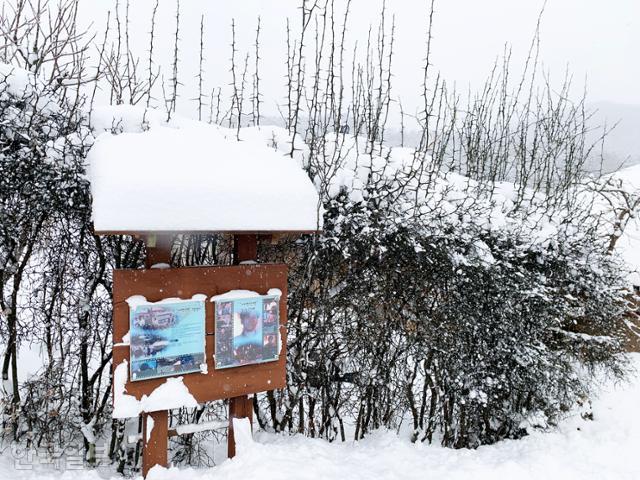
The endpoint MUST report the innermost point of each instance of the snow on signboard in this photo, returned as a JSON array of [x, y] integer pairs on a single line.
[[197, 178], [173, 393]]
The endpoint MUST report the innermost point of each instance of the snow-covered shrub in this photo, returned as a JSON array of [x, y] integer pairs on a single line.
[[55, 275], [42, 147], [450, 306], [511, 332]]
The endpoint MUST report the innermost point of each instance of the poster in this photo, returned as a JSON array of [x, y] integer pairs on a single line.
[[166, 338], [247, 331]]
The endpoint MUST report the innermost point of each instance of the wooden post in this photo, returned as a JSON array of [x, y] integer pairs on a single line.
[[245, 248], [158, 249], [239, 407], [155, 441], [155, 425]]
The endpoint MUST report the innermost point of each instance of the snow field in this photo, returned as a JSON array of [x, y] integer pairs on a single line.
[[602, 449], [606, 448]]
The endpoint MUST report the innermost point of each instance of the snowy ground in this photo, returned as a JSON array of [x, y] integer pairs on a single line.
[[606, 448]]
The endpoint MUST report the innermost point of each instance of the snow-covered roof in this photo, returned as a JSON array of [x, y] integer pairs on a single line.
[[197, 177]]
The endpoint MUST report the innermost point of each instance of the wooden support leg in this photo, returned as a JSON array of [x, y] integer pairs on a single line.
[[154, 440], [239, 407], [245, 247], [158, 249]]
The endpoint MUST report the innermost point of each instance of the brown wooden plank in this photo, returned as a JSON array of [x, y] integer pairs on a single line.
[[245, 247], [141, 233], [160, 252]]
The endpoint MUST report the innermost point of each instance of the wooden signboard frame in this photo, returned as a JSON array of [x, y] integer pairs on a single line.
[[233, 383]]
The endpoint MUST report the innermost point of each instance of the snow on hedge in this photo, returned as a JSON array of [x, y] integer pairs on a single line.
[[629, 242], [616, 199], [15, 81], [195, 177]]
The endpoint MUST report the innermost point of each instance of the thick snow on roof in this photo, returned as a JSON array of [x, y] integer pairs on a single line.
[[197, 178]]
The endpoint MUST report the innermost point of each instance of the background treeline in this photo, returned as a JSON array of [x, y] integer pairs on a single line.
[[462, 284]]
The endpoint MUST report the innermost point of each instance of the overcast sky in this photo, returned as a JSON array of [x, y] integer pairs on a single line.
[[598, 41]]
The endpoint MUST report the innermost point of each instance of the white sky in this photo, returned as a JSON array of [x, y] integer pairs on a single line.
[[597, 40]]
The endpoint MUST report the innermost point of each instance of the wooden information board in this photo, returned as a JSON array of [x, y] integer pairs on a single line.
[[158, 284]]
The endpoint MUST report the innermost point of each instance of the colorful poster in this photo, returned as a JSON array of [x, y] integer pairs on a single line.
[[247, 331], [166, 338]]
